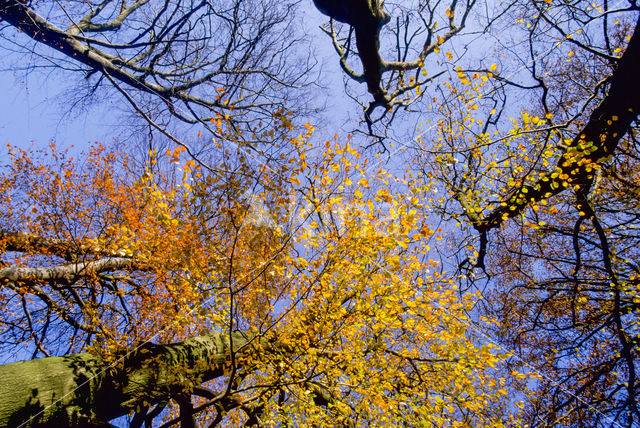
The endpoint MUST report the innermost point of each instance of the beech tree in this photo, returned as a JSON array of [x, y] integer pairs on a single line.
[[335, 316], [535, 153], [546, 203], [490, 279]]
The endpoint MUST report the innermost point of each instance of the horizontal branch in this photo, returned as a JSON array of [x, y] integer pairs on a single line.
[[24, 243], [65, 274]]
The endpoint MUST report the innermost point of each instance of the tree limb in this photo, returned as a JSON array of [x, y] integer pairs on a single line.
[[65, 274], [82, 389], [595, 143]]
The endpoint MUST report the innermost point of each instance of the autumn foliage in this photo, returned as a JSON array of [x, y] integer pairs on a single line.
[[467, 256], [355, 322]]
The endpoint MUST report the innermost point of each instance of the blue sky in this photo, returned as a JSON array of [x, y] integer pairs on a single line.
[[31, 110]]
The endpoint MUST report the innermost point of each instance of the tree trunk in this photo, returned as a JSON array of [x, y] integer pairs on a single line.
[[82, 390]]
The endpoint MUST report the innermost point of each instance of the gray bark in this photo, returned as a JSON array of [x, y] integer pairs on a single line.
[[82, 390]]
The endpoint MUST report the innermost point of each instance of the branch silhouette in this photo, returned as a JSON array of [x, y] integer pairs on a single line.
[[366, 17]]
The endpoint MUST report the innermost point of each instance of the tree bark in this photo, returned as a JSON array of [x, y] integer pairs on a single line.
[[596, 142], [83, 390], [366, 17], [609, 122]]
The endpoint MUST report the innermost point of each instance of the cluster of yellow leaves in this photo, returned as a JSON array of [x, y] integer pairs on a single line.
[[370, 323], [488, 166], [325, 256]]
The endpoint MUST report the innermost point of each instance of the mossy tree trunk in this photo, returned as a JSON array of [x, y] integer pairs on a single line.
[[83, 390]]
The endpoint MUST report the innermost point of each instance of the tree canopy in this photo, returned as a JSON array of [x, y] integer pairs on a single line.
[[461, 254]]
